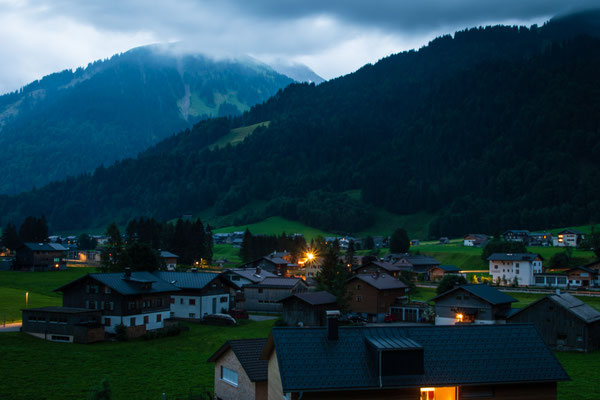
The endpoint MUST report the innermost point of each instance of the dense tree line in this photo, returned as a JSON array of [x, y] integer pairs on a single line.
[[493, 128], [256, 246], [33, 229]]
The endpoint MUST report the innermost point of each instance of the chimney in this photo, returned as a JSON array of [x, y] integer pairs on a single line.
[[258, 271], [332, 324], [127, 273]]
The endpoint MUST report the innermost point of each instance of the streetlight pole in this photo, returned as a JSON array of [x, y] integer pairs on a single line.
[[26, 298]]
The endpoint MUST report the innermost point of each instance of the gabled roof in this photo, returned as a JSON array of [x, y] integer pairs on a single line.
[[314, 298], [128, 286], [387, 266], [381, 282], [484, 292], [522, 231], [187, 280], [572, 231], [570, 303], [420, 259], [453, 355], [448, 268], [277, 282], [168, 254], [514, 257], [250, 274], [45, 246], [247, 352], [586, 269]]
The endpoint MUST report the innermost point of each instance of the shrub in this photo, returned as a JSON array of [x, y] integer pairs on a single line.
[[121, 332]]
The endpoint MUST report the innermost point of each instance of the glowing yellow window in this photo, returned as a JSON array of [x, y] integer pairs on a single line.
[[440, 393]]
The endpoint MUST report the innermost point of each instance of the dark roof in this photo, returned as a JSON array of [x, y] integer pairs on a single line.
[[128, 286], [187, 280], [573, 231], [247, 352], [251, 275], [420, 259], [390, 267], [64, 310], [484, 292], [314, 298], [277, 282], [514, 257], [586, 269], [516, 231], [572, 304], [168, 254], [453, 355], [44, 246], [448, 268], [381, 282]]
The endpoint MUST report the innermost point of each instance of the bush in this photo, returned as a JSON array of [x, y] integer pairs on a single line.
[[121, 332], [448, 282]]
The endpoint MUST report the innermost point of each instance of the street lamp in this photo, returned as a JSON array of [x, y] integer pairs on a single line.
[[26, 298]]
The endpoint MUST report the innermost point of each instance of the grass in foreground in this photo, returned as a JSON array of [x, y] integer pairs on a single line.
[[583, 370], [35, 369]]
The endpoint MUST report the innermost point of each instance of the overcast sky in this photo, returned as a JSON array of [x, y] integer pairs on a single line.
[[333, 37]]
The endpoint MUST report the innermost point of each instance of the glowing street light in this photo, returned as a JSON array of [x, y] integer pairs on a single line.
[[26, 298], [310, 256]]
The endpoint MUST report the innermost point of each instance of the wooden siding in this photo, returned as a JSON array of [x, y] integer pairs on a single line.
[[367, 299], [296, 310], [560, 328]]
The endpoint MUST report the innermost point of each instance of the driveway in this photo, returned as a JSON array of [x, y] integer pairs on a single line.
[[14, 327]]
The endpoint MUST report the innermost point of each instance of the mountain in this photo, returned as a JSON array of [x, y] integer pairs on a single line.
[[297, 71], [492, 128], [70, 122]]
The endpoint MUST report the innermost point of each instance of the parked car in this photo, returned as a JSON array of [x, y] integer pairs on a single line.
[[390, 318], [354, 319], [237, 314], [219, 319]]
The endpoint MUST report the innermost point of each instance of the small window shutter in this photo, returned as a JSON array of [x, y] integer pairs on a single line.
[[112, 305], [87, 304]]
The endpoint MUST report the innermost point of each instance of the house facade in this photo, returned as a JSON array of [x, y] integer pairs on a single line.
[[568, 238], [200, 294], [582, 277], [516, 235], [417, 263], [565, 322], [138, 300], [308, 308], [472, 304], [265, 296], [438, 273], [551, 280], [41, 257], [63, 324], [378, 266], [411, 362], [372, 295], [508, 268], [475, 240], [169, 259], [239, 373]]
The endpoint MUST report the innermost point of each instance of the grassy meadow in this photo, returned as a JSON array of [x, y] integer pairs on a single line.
[[276, 226]]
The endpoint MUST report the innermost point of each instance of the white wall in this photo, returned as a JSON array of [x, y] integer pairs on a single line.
[[181, 307], [139, 320], [507, 269]]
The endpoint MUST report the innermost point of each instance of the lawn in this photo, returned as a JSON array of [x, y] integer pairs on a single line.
[[583, 369], [237, 135], [276, 226], [39, 285], [227, 252], [35, 369]]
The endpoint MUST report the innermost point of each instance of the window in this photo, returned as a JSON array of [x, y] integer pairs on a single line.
[[181, 300], [358, 287], [192, 315], [223, 299], [107, 290], [260, 290], [132, 305], [146, 319], [192, 302], [229, 376], [158, 317], [172, 300], [132, 321], [112, 305], [495, 267], [159, 302], [358, 299], [516, 265], [517, 271], [106, 321]]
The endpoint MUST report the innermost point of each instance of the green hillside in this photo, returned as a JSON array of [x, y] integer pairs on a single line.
[[237, 135], [275, 226]]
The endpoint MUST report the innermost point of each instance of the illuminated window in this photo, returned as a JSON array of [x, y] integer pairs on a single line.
[[459, 317], [427, 393]]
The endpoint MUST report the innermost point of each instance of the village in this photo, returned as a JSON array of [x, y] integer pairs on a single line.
[[396, 339]]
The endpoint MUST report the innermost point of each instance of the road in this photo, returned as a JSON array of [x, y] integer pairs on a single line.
[[14, 327]]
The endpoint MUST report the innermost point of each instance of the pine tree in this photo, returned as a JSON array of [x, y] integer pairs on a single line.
[[10, 237], [399, 242]]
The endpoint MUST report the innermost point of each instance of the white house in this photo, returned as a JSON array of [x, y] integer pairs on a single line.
[[475, 240], [505, 267], [200, 293], [568, 237]]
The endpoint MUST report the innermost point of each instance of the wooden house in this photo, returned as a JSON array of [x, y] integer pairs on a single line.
[[265, 295], [239, 371], [415, 263], [41, 257], [411, 362], [582, 277], [200, 293], [372, 295], [568, 238], [475, 240], [374, 267], [308, 308], [438, 273], [138, 300], [169, 259], [565, 322], [63, 324], [516, 235], [472, 304]]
